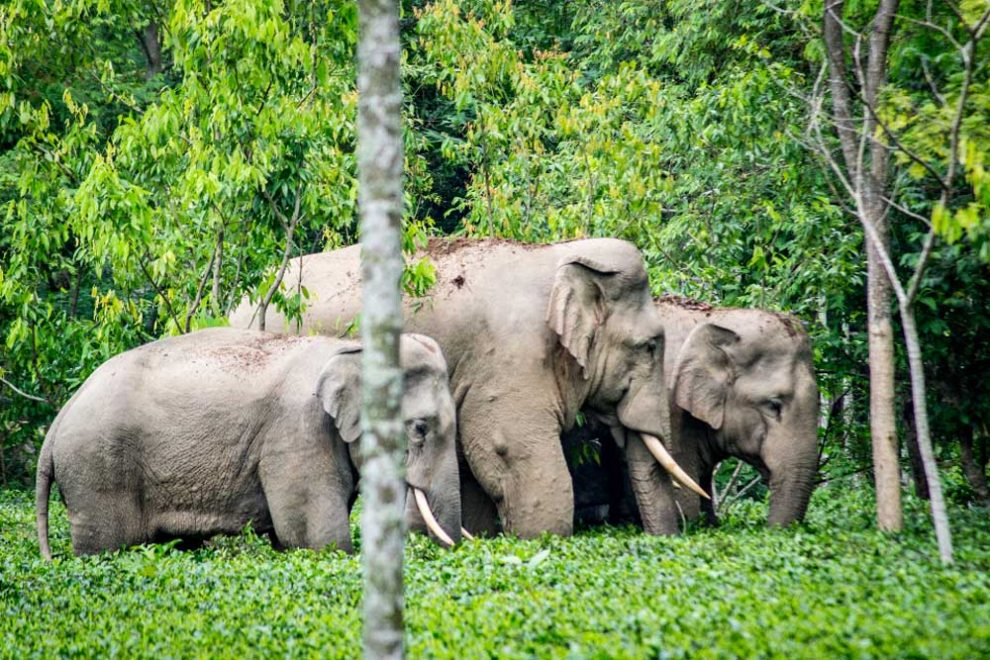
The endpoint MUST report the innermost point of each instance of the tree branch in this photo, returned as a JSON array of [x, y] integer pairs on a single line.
[[24, 394]]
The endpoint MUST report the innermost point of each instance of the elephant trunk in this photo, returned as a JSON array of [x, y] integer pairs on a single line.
[[790, 490], [423, 505], [652, 488], [644, 414], [436, 515]]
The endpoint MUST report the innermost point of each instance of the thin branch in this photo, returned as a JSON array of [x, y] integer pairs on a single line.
[[202, 285], [931, 82], [24, 394], [719, 504], [290, 228], [161, 294], [926, 252], [906, 211]]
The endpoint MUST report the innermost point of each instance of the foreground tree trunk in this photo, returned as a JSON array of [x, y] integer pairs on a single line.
[[380, 158], [866, 172]]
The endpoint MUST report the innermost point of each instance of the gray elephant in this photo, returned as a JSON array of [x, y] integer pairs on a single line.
[[533, 334], [741, 384], [197, 435]]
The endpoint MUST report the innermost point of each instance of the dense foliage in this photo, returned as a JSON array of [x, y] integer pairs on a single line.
[[832, 588], [159, 160]]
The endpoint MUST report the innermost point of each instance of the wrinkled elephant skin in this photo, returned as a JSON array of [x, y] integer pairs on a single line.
[[202, 434], [533, 334], [741, 384]]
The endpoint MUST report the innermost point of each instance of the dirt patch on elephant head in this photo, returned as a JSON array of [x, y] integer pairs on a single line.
[[441, 247], [791, 323], [685, 303]]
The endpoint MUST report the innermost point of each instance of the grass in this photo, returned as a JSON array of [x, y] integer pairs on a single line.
[[832, 588]]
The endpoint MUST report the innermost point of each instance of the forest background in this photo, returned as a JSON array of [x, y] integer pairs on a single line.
[[159, 160]]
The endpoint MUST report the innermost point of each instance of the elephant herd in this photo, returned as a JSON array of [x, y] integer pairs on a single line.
[[202, 434]]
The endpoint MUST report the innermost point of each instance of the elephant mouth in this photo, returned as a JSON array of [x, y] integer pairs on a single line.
[[423, 505]]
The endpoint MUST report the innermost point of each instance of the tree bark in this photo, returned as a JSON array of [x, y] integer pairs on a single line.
[[380, 160], [152, 50], [914, 454], [869, 182], [975, 470], [883, 427]]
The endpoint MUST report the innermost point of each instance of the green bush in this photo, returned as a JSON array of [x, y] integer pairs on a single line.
[[833, 587]]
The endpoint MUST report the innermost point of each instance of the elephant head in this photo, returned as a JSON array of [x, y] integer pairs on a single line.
[[748, 377], [431, 469], [604, 317]]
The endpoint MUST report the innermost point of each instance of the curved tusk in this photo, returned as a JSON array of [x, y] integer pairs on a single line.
[[466, 534], [431, 522], [670, 465]]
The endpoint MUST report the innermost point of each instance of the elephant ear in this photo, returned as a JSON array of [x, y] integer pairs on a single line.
[[339, 390], [705, 372], [577, 305]]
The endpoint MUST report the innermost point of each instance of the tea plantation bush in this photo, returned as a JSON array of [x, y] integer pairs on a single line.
[[832, 588]]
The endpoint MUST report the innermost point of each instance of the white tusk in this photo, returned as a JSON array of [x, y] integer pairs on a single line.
[[466, 534], [670, 465], [431, 522]]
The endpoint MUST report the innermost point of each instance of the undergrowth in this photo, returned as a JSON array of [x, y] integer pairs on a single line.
[[831, 587]]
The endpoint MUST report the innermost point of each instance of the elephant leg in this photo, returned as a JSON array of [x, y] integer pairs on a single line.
[[653, 489], [308, 506], [478, 511], [305, 519], [108, 521], [513, 449]]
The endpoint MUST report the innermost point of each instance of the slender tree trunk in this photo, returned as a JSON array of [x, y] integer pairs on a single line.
[[868, 180], [380, 159], [152, 50], [914, 454], [974, 470]]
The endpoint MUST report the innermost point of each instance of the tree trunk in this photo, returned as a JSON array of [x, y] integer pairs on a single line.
[[911, 441], [380, 160], [152, 50], [868, 181], [975, 470], [883, 427]]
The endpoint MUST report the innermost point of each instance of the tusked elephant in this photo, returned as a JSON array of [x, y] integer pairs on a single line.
[[191, 436], [533, 334], [742, 384]]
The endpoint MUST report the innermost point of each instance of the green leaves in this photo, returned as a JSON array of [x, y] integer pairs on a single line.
[[833, 587]]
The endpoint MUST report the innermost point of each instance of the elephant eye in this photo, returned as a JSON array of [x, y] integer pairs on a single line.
[[774, 406], [417, 430]]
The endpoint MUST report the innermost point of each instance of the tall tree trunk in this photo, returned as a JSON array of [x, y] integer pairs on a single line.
[[975, 470], [914, 454], [380, 159], [883, 425], [868, 184]]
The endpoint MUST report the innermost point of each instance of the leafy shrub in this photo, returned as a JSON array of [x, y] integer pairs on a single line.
[[832, 587]]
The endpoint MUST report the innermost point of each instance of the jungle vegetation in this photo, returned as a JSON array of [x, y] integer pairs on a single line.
[[159, 159]]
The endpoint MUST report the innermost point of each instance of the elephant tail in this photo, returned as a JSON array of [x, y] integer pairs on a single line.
[[43, 490]]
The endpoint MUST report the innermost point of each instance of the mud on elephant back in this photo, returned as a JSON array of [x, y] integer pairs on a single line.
[[202, 434], [741, 384], [533, 334]]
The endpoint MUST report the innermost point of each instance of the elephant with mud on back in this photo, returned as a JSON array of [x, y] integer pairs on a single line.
[[197, 435], [741, 384], [533, 335]]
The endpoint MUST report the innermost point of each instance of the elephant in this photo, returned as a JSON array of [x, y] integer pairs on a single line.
[[741, 383], [533, 334], [201, 434]]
